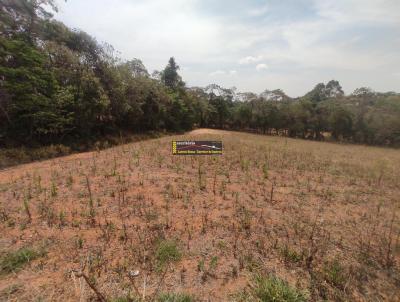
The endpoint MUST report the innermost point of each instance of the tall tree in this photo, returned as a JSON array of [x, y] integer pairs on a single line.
[[170, 76], [24, 16]]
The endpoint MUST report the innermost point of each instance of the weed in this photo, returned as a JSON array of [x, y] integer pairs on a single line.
[[62, 217], [201, 265], [200, 173], [213, 263], [334, 274], [70, 180], [244, 164], [27, 210], [167, 252], [79, 242], [265, 170], [290, 255], [92, 211], [222, 245], [53, 189]]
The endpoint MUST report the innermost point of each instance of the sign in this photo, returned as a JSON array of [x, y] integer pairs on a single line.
[[196, 147]]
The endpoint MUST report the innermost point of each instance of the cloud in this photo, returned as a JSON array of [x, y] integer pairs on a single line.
[[261, 66], [357, 11], [303, 42], [250, 59], [223, 72]]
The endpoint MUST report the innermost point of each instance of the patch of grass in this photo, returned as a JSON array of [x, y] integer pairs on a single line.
[[14, 261], [334, 274], [168, 297], [125, 299], [167, 252], [290, 255], [272, 289]]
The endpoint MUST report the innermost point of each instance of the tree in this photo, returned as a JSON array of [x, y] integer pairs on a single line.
[[242, 115], [30, 88], [220, 112], [136, 68], [58, 84], [363, 91], [322, 92], [341, 122], [170, 76], [318, 94], [333, 89], [24, 16]]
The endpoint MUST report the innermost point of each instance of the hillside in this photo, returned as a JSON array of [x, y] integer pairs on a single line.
[[322, 217]]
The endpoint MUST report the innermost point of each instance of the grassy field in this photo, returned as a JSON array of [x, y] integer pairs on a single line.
[[273, 218]]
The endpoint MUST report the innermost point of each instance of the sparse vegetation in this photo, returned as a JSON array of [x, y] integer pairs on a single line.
[[330, 230]]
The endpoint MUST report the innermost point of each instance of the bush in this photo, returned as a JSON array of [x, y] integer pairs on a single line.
[[167, 252], [175, 298], [14, 261], [272, 289]]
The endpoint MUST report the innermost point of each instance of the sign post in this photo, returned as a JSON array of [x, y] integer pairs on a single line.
[[196, 147]]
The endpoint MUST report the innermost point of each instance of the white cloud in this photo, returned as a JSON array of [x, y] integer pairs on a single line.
[[261, 66], [353, 41], [357, 11], [223, 72], [250, 59]]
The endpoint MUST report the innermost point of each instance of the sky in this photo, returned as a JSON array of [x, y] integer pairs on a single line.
[[252, 45]]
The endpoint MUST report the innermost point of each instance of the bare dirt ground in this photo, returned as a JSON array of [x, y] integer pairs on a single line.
[[324, 217]]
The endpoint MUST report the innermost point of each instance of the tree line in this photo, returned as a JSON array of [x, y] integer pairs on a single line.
[[59, 85]]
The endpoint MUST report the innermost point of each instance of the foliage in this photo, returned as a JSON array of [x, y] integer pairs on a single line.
[[175, 298], [272, 289], [59, 85], [14, 261], [167, 252]]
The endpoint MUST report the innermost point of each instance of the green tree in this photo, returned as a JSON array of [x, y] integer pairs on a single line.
[[30, 88], [341, 122], [170, 76], [24, 16]]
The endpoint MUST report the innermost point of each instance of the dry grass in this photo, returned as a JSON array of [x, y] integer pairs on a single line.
[[324, 218]]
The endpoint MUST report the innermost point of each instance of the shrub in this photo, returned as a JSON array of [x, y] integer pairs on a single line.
[[272, 289], [13, 261], [167, 252], [175, 298]]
